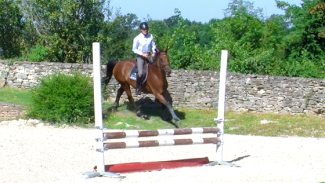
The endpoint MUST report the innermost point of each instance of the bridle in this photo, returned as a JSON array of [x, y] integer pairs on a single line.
[[160, 65]]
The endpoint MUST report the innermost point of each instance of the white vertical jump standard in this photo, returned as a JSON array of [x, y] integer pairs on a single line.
[[221, 109], [101, 146]]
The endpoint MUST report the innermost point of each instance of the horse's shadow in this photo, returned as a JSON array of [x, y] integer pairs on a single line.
[[149, 108]]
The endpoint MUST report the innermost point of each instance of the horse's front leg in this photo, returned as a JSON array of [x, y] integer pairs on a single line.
[[162, 99], [117, 100]]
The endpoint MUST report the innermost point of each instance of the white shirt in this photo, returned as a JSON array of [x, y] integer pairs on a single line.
[[142, 44]]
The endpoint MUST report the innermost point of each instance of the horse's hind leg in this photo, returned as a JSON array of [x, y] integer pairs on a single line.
[[117, 100], [131, 100]]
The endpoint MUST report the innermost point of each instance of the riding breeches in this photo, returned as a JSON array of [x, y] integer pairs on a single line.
[[140, 62]]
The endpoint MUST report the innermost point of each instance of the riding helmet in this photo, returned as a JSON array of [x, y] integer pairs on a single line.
[[144, 25]]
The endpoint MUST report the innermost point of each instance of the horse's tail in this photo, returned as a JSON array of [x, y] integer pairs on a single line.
[[109, 70]]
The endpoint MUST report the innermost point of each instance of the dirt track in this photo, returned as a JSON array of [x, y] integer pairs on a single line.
[[40, 153]]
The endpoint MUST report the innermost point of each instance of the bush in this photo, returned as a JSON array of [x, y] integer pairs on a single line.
[[38, 54], [64, 99]]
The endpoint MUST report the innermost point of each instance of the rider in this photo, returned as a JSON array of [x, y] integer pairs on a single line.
[[141, 47]]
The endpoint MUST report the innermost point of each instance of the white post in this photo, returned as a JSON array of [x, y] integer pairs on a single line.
[[99, 146], [221, 103]]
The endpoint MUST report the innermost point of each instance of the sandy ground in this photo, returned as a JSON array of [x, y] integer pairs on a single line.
[[38, 153]]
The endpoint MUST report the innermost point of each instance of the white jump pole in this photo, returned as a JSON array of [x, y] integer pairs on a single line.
[[98, 108], [99, 146], [221, 106]]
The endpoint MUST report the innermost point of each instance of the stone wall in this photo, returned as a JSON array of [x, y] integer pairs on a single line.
[[26, 74], [10, 111], [199, 89]]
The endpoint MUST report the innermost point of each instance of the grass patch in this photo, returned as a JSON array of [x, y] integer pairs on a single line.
[[15, 96], [236, 123], [276, 125]]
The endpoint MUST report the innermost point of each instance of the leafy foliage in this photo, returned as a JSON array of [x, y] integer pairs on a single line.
[[67, 28], [63, 98], [11, 25], [304, 47], [39, 54], [120, 31], [62, 31]]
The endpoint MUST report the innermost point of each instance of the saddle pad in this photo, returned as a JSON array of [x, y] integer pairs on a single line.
[[133, 73]]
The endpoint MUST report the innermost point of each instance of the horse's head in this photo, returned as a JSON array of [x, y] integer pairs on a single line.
[[162, 61]]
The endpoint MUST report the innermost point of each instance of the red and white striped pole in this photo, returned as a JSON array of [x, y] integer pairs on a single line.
[[159, 132]]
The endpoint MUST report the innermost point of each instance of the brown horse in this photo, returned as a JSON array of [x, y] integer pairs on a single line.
[[155, 84]]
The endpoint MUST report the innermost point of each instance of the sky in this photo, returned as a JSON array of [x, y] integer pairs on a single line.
[[194, 10]]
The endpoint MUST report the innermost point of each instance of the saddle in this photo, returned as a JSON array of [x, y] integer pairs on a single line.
[[134, 71]]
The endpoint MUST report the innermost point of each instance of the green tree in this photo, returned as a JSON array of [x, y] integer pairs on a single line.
[[172, 21], [121, 30], [241, 33], [184, 50], [67, 28], [11, 26], [305, 44], [160, 31], [320, 10]]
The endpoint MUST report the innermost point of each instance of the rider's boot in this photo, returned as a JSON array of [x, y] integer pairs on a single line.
[[138, 87]]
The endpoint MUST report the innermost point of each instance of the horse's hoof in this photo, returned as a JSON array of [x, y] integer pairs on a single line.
[[177, 123], [139, 114]]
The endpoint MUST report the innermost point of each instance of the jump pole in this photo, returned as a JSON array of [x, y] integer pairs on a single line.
[[99, 146], [221, 109]]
